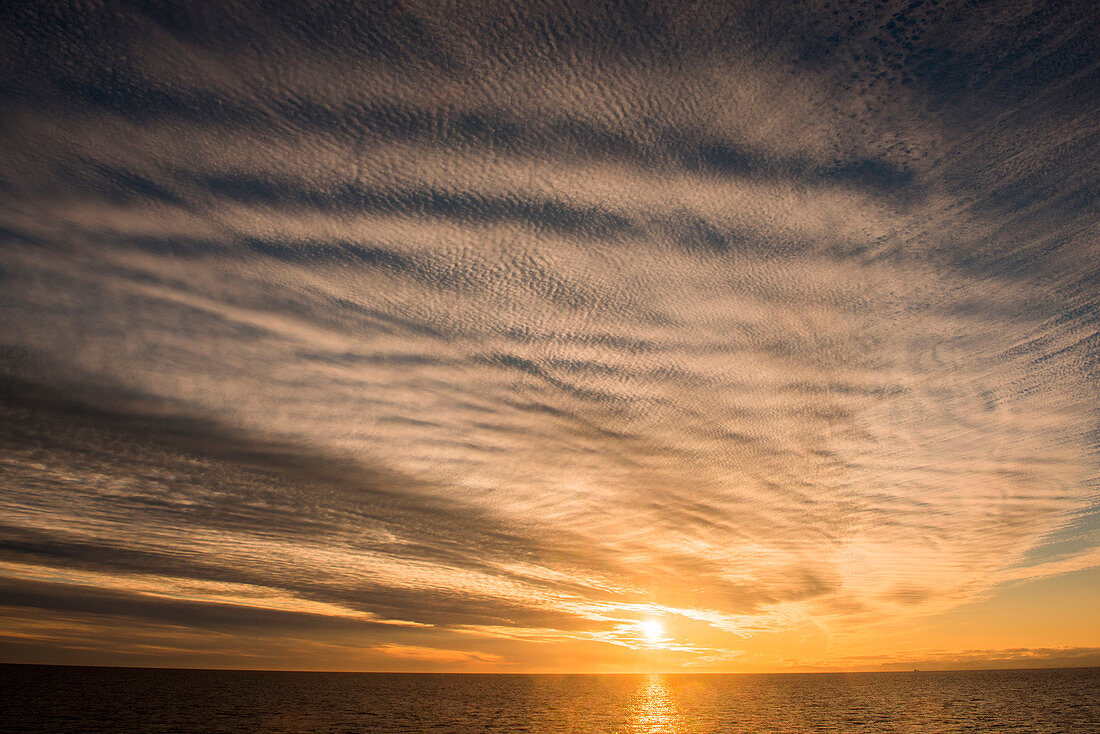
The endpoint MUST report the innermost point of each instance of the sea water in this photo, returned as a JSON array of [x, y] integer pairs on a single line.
[[72, 699]]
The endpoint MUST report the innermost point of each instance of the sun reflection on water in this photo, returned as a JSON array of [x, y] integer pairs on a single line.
[[654, 710]]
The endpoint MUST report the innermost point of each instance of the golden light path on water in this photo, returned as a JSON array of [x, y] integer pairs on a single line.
[[655, 711]]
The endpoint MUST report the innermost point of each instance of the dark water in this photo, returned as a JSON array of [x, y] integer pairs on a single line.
[[60, 699]]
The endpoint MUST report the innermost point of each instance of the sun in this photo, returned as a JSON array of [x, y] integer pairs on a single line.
[[651, 629]]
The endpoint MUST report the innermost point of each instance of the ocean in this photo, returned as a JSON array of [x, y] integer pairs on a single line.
[[79, 699]]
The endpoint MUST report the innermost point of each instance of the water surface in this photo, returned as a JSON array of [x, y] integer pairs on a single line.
[[71, 699]]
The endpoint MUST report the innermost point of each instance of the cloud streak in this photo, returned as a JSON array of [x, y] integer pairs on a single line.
[[531, 320]]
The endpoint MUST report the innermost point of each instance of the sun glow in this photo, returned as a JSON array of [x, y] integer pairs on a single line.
[[651, 630]]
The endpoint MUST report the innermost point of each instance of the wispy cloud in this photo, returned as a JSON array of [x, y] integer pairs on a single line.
[[536, 317], [1020, 657]]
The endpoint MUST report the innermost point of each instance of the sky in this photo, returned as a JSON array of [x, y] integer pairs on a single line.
[[544, 336]]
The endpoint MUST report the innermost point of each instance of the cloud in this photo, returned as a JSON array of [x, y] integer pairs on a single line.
[[435, 655], [1022, 657], [533, 317]]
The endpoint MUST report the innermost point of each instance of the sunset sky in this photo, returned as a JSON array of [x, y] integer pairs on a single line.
[[545, 336]]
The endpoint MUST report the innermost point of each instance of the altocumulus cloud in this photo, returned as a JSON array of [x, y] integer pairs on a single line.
[[452, 325]]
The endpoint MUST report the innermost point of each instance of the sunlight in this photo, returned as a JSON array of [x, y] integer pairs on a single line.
[[655, 710], [651, 629]]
